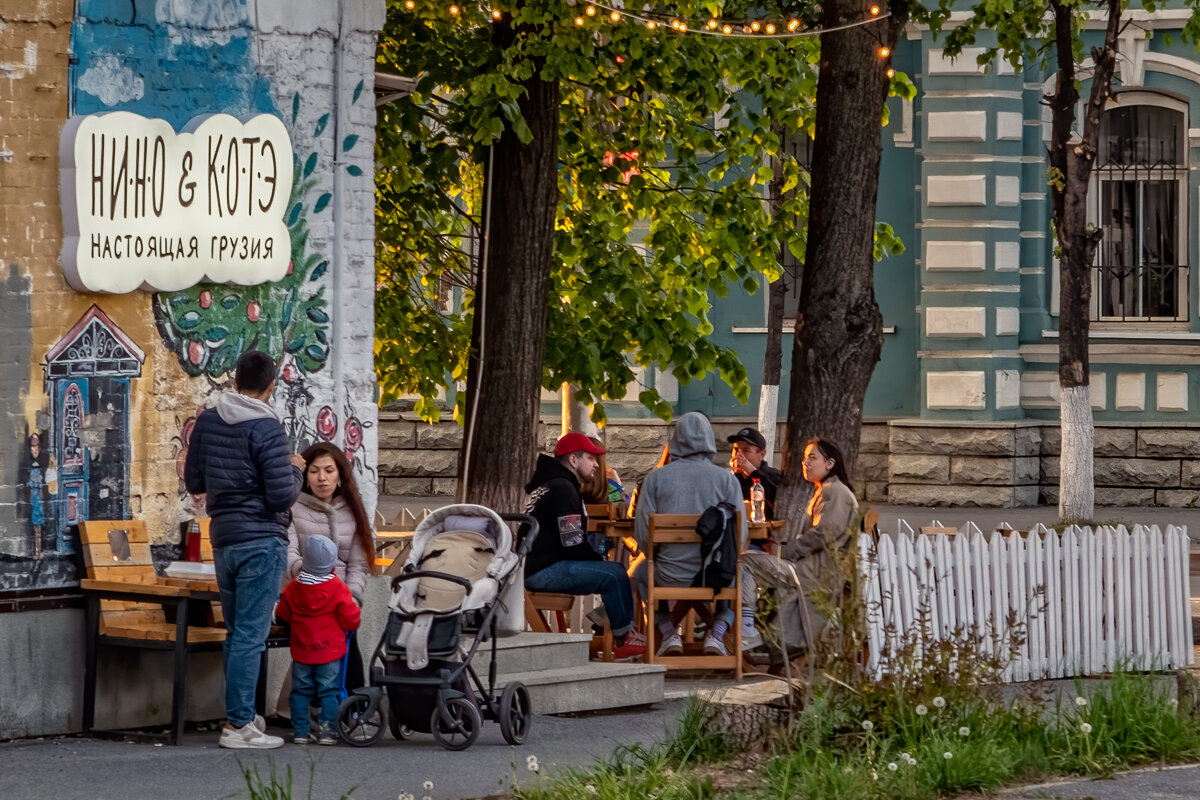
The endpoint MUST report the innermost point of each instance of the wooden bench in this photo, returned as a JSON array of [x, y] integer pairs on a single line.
[[126, 605]]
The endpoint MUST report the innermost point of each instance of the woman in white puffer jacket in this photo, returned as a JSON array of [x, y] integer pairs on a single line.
[[330, 505]]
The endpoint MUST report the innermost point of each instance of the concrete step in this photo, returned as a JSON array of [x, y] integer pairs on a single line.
[[595, 685], [529, 652]]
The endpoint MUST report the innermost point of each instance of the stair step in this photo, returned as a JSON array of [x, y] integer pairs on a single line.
[[596, 685], [529, 652]]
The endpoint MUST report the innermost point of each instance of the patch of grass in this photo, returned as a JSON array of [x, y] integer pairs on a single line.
[[694, 739]]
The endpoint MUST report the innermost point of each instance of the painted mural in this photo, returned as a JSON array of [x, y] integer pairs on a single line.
[[110, 385]]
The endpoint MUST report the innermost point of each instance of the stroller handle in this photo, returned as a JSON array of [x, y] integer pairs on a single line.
[[446, 576], [529, 524]]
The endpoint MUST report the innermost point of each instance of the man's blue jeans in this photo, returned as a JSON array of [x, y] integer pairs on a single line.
[[249, 575], [315, 682], [605, 578]]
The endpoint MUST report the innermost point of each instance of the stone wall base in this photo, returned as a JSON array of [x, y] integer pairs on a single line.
[[902, 461]]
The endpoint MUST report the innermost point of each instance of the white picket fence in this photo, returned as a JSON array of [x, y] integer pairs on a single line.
[[1085, 600]]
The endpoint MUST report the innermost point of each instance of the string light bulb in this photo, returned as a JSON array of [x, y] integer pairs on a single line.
[[675, 24], [727, 29], [755, 26], [579, 21], [683, 27], [651, 24], [891, 73], [793, 24], [454, 11], [495, 13], [874, 11], [409, 4], [884, 52], [712, 24], [615, 16], [590, 11], [770, 28]]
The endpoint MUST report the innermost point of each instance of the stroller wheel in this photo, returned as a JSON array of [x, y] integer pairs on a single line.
[[460, 728], [399, 730], [515, 713], [356, 724]]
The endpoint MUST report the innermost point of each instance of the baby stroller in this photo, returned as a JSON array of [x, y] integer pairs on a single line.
[[444, 606]]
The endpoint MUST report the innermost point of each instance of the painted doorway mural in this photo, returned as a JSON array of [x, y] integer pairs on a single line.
[[88, 375]]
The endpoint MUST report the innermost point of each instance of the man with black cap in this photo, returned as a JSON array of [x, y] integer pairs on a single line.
[[562, 558], [749, 462]]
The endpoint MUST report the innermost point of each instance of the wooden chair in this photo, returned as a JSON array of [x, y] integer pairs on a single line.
[[681, 529]]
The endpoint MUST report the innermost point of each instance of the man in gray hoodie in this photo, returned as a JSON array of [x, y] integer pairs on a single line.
[[689, 484]]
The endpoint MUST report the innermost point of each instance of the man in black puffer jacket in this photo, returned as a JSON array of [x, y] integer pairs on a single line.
[[561, 559], [238, 457]]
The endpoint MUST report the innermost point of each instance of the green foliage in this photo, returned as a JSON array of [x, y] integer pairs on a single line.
[[209, 325], [279, 787], [693, 739], [662, 142]]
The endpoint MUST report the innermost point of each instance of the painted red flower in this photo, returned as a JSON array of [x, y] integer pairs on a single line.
[[326, 423], [353, 437]]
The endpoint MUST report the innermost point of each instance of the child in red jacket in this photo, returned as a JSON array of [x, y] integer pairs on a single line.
[[321, 610]]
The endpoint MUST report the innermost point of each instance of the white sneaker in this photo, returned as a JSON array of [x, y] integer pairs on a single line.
[[751, 639], [259, 723], [714, 647], [247, 737], [671, 646]]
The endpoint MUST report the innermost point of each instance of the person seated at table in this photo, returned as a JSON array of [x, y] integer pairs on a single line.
[[663, 460], [809, 563], [748, 462], [604, 485], [562, 559], [689, 484]]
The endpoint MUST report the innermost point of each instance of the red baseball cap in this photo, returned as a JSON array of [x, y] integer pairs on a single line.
[[574, 442]]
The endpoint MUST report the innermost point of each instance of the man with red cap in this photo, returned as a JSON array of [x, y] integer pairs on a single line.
[[562, 558]]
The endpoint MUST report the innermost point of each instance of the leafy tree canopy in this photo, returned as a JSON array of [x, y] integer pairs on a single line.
[[665, 149]]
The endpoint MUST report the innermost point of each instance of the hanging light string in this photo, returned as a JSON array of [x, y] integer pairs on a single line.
[[729, 29]]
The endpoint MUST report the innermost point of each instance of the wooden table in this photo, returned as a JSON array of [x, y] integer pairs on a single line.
[[620, 528], [401, 540]]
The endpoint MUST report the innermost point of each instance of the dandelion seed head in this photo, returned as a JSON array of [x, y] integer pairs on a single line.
[[531, 764], [939, 702], [1081, 701], [892, 766], [1085, 727], [867, 725], [922, 710], [947, 755], [964, 731], [428, 785], [874, 775]]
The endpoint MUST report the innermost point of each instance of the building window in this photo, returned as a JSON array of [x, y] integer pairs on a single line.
[[1139, 200]]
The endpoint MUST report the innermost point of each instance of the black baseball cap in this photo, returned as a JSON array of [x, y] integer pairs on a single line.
[[749, 436]]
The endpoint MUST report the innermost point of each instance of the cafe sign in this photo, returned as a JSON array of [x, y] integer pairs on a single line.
[[146, 207]]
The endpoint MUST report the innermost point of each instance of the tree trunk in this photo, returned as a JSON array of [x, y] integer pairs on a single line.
[[504, 384], [1072, 161], [839, 330], [768, 398]]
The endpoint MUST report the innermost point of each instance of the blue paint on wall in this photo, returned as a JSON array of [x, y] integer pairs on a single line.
[[184, 71]]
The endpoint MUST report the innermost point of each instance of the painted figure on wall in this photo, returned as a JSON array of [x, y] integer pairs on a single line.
[[38, 481]]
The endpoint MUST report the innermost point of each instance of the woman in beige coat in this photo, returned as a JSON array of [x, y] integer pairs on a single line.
[[807, 572], [330, 506]]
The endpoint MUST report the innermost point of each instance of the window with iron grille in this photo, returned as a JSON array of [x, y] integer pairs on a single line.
[[1139, 200]]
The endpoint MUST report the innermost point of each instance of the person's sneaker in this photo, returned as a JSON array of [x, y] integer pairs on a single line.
[[259, 723], [628, 651], [633, 637], [751, 639], [714, 647], [671, 646], [304, 738], [247, 737], [326, 739]]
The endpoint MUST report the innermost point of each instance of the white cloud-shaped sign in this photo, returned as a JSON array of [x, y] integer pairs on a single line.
[[145, 207]]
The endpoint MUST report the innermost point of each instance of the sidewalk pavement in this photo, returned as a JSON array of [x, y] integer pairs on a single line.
[[91, 769], [1153, 783]]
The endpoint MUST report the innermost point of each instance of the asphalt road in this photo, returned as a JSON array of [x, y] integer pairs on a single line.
[[90, 769], [1170, 783]]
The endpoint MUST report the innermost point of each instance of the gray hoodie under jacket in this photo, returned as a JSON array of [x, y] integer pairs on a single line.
[[689, 484]]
